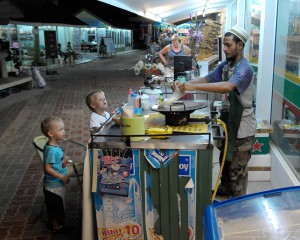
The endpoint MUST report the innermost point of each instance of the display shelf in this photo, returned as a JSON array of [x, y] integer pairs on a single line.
[[255, 20], [290, 38], [254, 45], [292, 54], [287, 137], [26, 44], [207, 64]]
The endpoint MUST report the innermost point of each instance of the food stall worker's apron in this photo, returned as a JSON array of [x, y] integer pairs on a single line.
[[233, 123], [232, 118]]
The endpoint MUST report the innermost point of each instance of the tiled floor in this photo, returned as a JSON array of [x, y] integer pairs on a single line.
[[253, 187], [21, 113]]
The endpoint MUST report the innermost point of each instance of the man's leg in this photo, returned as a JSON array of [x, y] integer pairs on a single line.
[[239, 173], [224, 188], [238, 169], [65, 57]]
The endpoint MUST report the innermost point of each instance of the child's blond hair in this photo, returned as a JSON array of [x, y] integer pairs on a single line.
[[90, 98], [47, 124]]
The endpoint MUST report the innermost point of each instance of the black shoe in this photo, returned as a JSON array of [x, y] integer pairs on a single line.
[[58, 231], [223, 192]]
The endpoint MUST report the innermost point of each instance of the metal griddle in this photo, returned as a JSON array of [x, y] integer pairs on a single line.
[[178, 113]]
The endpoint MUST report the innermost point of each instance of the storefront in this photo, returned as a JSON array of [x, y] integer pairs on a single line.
[[285, 111], [273, 51], [91, 38], [97, 29], [28, 42], [8, 33]]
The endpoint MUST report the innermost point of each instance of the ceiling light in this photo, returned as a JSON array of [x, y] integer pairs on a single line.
[[150, 15]]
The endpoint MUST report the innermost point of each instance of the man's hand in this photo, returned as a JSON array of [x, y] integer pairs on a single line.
[[183, 87]]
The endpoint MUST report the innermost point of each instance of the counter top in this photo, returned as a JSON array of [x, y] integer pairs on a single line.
[[263, 126], [110, 136]]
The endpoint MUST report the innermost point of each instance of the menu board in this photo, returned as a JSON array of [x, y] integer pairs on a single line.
[[50, 42], [110, 46]]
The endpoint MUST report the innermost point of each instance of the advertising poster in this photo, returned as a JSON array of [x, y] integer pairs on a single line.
[[189, 157], [186, 169], [118, 197]]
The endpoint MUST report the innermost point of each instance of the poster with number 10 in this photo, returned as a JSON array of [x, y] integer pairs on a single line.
[[118, 197]]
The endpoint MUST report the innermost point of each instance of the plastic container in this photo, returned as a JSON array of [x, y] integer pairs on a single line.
[[145, 101], [133, 126], [153, 95], [272, 214]]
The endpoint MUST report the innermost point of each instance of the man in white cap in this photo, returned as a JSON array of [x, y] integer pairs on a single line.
[[233, 78]]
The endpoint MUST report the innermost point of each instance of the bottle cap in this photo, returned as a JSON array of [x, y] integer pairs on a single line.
[[130, 91]]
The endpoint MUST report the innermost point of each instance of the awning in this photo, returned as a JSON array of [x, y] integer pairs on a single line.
[[8, 10], [71, 22], [110, 15], [64, 14], [47, 15]]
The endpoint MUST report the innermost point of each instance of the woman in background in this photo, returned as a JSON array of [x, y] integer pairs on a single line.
[[176, 48]]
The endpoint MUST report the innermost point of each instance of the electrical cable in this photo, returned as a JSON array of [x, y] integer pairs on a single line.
[[223, 160]]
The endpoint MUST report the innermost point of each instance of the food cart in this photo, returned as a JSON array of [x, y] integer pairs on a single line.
[[157, 188]]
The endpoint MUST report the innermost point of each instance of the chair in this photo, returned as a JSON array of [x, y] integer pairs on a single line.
[[73, 169]]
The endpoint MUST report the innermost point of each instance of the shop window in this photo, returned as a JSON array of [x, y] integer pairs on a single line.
[[285, 116], [252, 26], [255, 33], [26, 40]]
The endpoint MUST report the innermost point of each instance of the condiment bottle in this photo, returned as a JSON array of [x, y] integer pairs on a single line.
[[133, 99], [161, 98], [129, 102]]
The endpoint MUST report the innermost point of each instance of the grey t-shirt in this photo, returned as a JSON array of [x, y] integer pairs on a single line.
[[241, 76]]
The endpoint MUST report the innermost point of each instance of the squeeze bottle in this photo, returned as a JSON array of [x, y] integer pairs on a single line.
[[129, 101]]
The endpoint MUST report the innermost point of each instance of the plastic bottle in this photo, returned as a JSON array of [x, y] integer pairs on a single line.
[[161, 98], [136, 102], [129, 101], [133, 99], [138, 105]]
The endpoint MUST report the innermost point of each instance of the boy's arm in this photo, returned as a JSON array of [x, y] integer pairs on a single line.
[[53, 173]]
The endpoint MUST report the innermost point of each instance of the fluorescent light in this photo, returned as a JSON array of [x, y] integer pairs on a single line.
[[150, 15]]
